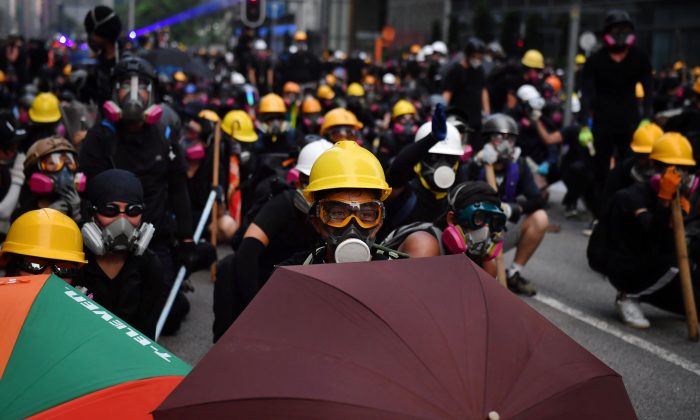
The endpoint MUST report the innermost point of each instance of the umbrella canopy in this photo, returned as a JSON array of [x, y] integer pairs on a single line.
[[63, 355], [419, 338]]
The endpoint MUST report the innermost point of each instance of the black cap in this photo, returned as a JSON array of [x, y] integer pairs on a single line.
[[104, 22], [616, 17], [470, 192], [114, 185]]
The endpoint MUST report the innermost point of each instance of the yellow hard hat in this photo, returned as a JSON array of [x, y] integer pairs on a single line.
[[678, 65], [346, 165], [644, 138], [209, 115], [300, 36], [533, 59], [673, 149], [402, 107], [67, 70], [310, 105], [45, 108], [331, 80], [580, 59], [696, 86], [325, 92], [369, 79], [339, 116], [180, 76], [356, 89], [45, 233], [696, 71], [3, 78], [291, 87], [46, 146], [272, 103], [415, 49], [639, 91], [239, 125]]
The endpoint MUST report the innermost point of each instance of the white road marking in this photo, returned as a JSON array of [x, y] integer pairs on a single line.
[[643, 344]]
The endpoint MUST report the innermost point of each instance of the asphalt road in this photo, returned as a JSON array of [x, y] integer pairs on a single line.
[[660, 367]]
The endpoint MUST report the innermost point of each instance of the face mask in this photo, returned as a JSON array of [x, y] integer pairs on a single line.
[[312, 123], [351, 243], [119, 236], [505, 150], [440, 177], [195, 153], [130, 105], [407, 129], [274, 127], [532, 76], [42, 183], [618, 42], [474, 63]]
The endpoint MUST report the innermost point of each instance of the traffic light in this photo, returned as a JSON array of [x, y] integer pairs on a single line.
[[253, 13]]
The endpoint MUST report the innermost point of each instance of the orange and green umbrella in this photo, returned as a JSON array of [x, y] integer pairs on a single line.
[[64, 356]]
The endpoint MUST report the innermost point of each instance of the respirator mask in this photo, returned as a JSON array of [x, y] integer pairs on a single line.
[[350, 226], [120, 236], [439, 171], [619, 38], [132, 102], [57, 172]]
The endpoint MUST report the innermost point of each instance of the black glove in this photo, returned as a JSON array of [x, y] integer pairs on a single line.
[[187, 254]]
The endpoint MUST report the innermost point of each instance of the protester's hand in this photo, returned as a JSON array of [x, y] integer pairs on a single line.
[[535, 114], [439, 123], [61, 206], [644, 122], [512, 211], [487, 155], [585, 137], [685, 205], [187, 254], [17, 170], [71, 197], [668, 185]]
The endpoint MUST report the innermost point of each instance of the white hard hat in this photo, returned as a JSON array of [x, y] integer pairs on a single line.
[[427, 50], [260, 45], [237, 78], [452, 145], [339, 55], [389, 79], [440, 47], [309, 154], [527, 92]]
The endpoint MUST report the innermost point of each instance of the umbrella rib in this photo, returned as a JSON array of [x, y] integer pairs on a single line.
[[563, 391], [385, 322]]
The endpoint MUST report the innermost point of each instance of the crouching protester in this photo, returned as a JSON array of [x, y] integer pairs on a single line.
[[522, 202], [123, 275], [633, 244], [43, 241], [346, 191], [473, 225]]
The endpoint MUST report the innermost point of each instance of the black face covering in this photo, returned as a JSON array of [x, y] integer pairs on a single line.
[[350, 243]]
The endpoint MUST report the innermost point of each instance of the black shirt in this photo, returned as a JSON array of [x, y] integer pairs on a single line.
[[466, 85], [158, 163], [136, 295]]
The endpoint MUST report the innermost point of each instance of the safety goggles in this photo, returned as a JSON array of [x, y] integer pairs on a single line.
[[113, 210], [338, 213], [54, 162], [134, 88], [480, 214], [341, 132], [63, 269], [501, 137]]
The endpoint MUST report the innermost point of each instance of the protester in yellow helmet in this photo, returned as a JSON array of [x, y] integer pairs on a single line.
[[326, 96], [403, 127], [310, 119], [273, 124], [44, 118], [340, 124], [346, 191], [633, 243], [43, 241], [291, 93]]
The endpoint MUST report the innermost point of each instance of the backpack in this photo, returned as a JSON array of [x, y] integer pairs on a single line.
[[396, 237]]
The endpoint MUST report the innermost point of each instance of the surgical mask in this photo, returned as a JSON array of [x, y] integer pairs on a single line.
[[474, 63], [350, 243], [120, 236]]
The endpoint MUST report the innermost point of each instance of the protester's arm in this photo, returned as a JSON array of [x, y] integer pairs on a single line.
[[9, 202], [485, 102], [547, 137]]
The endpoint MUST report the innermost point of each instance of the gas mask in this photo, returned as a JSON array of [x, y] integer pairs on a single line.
[[290, 98], [478, 232], [350, 243], [120, 236], [274, 127], [132, 102], [439, 172], [57, 172], [404, 131], [532, 76], [688, 186], [619, 38], [312, 122], [194, 152], [350, 226]]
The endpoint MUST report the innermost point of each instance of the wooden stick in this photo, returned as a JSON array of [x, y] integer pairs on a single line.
[[215, 184], [500, 264], [691, 314]]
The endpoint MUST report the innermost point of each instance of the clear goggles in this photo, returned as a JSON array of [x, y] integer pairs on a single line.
[[341, 132], [54, 162]]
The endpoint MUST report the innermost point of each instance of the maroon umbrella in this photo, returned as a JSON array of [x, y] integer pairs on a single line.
[[420, 338]]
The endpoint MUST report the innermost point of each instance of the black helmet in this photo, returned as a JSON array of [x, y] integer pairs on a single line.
[[131, 65], [104, 22], [474, 45], [616, 17], [470, 192], [499, 123]]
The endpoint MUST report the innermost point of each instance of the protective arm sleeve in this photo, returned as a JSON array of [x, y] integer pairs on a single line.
[[246, 268], [401, 170], [8, 204]]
